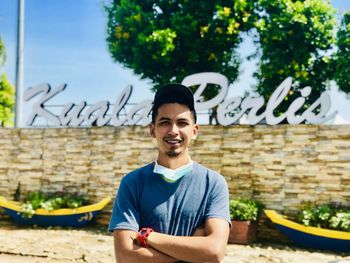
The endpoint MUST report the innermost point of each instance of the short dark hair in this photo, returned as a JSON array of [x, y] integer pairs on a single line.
[[173, 93]]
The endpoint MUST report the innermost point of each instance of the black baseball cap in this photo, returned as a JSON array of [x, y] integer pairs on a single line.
[[173, 93]]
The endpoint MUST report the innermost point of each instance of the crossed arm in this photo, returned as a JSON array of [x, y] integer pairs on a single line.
[[206, 245]]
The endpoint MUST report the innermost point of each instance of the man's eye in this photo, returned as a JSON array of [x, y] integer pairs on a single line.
[[183, 123], [164, 122]]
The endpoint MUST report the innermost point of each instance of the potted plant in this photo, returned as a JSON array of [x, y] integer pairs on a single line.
[[329, 216], [244, 215], [325, 226], [57, 209]]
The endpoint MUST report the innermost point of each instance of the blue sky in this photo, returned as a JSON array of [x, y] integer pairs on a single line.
[[65, 43]]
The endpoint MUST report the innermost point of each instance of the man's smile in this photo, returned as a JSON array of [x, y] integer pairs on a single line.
[[173, 142]]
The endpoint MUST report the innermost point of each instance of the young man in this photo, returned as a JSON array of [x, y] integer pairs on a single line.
[[174, 209]]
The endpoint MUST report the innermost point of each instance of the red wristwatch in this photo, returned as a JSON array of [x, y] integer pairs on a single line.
[[142, 236]]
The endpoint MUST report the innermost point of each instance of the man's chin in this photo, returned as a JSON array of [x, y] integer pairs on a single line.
[[173, 154]]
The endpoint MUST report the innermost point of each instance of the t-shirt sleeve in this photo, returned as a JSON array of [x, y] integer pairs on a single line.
[[218, 205], [125, 214]]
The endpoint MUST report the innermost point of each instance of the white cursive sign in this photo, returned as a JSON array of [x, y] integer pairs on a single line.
[[229, 110]]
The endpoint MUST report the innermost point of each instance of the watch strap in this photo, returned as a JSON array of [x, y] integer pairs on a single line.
[[142, 236]]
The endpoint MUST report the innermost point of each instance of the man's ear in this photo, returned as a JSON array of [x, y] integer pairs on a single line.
[[195, 131], [151, 130]]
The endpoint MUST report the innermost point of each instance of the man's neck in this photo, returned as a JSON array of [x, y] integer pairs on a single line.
[[173, 162]]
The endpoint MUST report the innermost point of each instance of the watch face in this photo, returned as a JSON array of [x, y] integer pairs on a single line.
[[143, 232]]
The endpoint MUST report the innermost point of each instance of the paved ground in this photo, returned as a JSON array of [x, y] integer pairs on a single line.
[[35, 245]]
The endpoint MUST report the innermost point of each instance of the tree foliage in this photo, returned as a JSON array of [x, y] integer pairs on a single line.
[[342, 56], [294, 37], [2, 53], [7, 93], [7, 102], [167, 40]]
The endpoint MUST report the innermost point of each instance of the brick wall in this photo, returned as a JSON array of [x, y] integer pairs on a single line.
[[282, 165]]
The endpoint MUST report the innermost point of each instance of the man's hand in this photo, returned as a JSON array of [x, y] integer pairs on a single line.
[[127, 250], [208, 244], [200, 231], [208, 248]]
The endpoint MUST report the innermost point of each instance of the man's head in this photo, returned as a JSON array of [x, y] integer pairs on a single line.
[[173, 93], [173, 121]]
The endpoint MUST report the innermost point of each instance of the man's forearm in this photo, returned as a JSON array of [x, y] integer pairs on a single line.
[[140, 254], [126, 249], [192, 249]]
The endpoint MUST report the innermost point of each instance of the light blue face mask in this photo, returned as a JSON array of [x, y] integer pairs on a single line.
[[170, 175]]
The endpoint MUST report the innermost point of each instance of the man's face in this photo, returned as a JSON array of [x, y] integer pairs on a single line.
[[174, 129]]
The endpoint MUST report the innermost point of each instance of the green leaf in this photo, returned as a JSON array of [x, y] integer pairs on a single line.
[[245, 209]]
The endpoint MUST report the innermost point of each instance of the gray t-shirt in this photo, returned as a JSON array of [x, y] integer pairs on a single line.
[[144, 199]]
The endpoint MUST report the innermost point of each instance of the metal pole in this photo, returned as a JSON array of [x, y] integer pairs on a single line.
[[19, 64]]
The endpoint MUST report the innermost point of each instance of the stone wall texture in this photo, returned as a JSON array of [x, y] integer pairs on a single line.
[[282, 166]]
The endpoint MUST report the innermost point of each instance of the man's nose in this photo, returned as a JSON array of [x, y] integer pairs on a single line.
[[174, 129]]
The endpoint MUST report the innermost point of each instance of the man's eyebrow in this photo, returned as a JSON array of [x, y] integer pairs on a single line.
[[169, 119], [164, 119], [183, 119]]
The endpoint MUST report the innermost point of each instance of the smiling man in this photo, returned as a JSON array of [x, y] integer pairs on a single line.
[[173, 209]]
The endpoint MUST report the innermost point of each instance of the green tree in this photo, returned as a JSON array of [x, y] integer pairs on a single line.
[[342, 56], [2, 53], [7, 93], [7, 102], [168, 40], [294, 37]]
